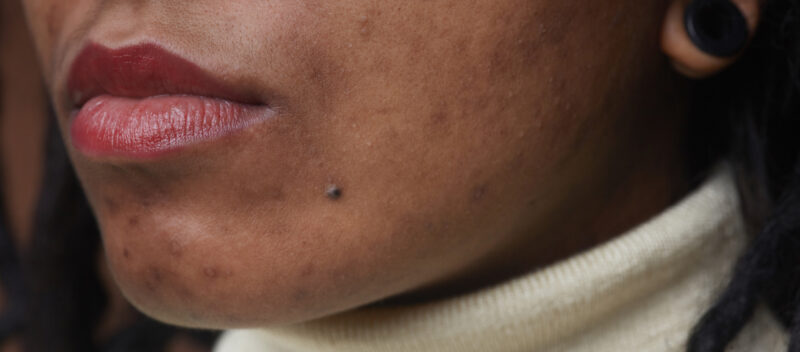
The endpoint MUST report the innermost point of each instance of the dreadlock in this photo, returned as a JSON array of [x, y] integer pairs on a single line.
[[758, 102]]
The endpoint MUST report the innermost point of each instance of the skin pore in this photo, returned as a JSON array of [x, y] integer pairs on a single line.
[[470, 141]]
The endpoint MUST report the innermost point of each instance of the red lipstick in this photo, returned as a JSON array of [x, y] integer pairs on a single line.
[[141, 102]]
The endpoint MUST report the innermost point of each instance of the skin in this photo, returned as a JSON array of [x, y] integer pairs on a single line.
[[471, 140]]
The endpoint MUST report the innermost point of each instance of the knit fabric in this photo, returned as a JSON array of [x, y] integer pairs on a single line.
[[642, 291]]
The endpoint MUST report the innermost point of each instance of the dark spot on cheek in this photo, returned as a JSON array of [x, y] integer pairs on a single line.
[[133, 221], [308, 270], [184, 292], [175, 248], [478, 192], [155, 274], [153, 278], [126, 253], [439, 117], [111, 205], [211, 272], [300, 294]]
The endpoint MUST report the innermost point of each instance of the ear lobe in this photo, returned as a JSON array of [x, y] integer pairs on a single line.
[[686, 56]]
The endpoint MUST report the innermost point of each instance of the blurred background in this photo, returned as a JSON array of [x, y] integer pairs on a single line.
[[55, 292]]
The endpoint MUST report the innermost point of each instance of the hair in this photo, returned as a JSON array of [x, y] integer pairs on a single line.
[[756, 106]]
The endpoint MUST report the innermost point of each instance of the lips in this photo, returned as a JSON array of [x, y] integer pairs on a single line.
[[142, 102]]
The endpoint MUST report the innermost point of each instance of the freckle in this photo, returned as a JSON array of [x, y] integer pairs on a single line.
[[439, 117], [308, 270], [111, 205], [185, 292], [175, 248], [300, 294], [333, 192], [133, 221], [126, 253], [155, 275], [478, 192], [210, 272]]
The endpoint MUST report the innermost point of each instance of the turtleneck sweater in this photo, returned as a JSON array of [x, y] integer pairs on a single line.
[[642, 291]]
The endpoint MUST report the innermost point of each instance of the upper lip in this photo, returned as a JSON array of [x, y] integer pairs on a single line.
[[141, 71]]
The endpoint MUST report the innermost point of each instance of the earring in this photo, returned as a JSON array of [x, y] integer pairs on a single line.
[[716, 27]]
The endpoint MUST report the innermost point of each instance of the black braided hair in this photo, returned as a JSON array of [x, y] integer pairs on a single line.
[[758, 102]]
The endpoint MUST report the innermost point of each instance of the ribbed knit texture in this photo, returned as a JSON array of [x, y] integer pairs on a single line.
[[642, 291]]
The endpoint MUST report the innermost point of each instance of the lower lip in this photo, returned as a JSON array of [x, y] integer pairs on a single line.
[[109, 126]]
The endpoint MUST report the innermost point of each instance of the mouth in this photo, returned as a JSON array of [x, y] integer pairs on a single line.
[[143, 102]]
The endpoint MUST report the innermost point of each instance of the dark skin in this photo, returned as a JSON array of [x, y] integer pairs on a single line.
[[471, 140], [23, 122]]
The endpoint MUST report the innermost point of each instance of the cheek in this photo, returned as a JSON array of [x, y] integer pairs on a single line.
[[441, 134], [51, 23]]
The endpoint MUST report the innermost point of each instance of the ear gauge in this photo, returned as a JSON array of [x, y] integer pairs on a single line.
[[716, 27]]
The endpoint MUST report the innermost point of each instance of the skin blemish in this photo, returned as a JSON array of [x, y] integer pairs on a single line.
[[153, 278], [111, 205], [133, 221], [175, 248], [365, 27], [126, 253], [439, 117], [308, 270], [211, 272], [478, 192], [155, 274], [185, 293], [333, 192], [300, 294]]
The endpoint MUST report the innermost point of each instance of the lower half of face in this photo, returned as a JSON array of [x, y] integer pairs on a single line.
[[401, 142]]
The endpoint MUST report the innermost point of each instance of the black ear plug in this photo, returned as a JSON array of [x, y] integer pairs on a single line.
[[716, 27]]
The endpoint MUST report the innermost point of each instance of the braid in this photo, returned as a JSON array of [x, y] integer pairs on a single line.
[[758, 101]]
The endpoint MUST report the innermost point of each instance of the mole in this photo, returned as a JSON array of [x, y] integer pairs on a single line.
[[334, 192]]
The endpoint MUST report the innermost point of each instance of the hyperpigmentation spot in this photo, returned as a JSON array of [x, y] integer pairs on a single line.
[[110, 205], [478, 192], [133, 221], [175, 248], [308, 270], [210, 272], [153, 278]]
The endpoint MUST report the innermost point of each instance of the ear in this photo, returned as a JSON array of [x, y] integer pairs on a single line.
[[686, 57]]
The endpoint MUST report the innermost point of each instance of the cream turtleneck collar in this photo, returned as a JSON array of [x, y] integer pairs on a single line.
[[642, 291]]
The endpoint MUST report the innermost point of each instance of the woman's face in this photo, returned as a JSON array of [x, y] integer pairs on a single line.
[[455, 131]]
